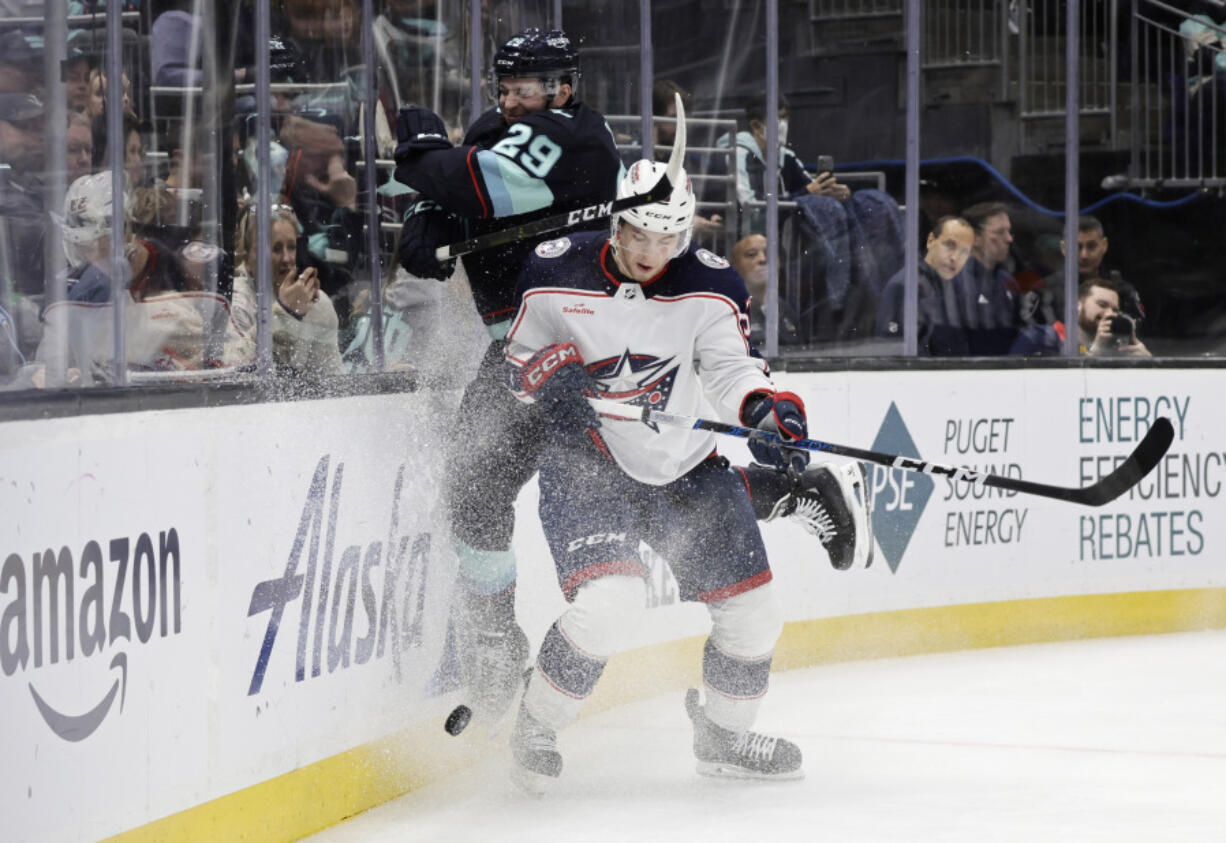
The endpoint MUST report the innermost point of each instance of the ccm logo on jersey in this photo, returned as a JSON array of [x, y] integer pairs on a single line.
[[593, 540], [546, 362], [590, 213]]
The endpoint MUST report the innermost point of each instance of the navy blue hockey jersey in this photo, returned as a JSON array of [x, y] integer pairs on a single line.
[[503, 175]]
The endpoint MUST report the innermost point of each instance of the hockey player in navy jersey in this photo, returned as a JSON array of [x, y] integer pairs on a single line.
[[635, 316], [540, 151]]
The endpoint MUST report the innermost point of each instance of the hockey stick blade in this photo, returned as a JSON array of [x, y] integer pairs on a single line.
[[591, 213], [1140, 462]]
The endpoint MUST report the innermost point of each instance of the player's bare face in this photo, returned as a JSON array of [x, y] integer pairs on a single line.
[[642, 254], [517, 98]]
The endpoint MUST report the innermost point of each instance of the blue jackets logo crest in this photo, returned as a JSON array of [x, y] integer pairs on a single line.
[[553, 248]]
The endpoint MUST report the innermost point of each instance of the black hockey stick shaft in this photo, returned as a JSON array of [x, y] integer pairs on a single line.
[[1139, 463], [566, 219]]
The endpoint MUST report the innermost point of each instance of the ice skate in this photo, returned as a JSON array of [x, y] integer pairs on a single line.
[[534, 752], [740, 755], [833, 503], [496, 663]]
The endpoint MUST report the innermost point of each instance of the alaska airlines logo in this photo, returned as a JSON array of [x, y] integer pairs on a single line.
[[329, 608], [641, 380], [899, 496], [127, 595]]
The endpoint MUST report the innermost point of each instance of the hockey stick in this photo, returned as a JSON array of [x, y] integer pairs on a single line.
[[659, 192], [1143, 458]]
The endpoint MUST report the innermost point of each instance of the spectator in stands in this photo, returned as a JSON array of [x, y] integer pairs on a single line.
[[1103, 329], [305, 335], [993, 321], [76, 80], [856, 237], [324, 197], [1092, 246], [21, 217], [325, 35], [749, 259], [86, 230], [97, 94], [944, 302], [168, 324], [134, 152], [20, 64], [186, 173], [21, 209], [79, 138]]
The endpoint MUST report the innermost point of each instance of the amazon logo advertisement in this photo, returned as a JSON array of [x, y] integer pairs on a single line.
[[899, 497], [100, 604]]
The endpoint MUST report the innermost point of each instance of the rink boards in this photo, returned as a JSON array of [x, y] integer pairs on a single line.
[[229, 622]]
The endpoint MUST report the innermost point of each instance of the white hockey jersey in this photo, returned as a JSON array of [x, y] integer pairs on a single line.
[[679, 343]]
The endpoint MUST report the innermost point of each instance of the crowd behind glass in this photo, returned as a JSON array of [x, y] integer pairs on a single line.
[[190, 162]]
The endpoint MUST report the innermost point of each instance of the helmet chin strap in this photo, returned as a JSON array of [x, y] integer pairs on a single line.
[[615, 247]]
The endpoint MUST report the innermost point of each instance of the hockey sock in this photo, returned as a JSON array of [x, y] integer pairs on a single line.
[[563, 679], [736, 660], [578, 645], [485, 571], [734, 687]]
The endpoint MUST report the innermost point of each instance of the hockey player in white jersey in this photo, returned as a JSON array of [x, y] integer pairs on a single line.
[[636, 316]]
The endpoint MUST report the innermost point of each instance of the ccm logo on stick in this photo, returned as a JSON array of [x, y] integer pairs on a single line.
[[546, 362], [590, 213]]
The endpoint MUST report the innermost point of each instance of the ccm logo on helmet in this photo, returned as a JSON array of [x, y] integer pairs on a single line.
[[546, 362], [590, 213]]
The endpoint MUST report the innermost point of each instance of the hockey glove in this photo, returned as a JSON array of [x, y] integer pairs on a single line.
[[418, 130], [426, 227], [781, 413], [556, 379]]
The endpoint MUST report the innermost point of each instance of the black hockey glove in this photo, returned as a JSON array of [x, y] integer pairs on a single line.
[[426, 227], [555, 377], [782, 413], [419, 129]]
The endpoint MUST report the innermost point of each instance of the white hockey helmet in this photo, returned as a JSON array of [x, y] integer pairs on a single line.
[[674, 215], [87, 215]]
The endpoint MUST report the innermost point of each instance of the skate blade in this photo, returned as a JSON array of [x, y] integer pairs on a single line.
[[530, 783], [719, 770]]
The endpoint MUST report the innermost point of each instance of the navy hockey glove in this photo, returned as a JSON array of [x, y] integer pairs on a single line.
[[782, 413], [556, 379], [419, 129], [426, 227]]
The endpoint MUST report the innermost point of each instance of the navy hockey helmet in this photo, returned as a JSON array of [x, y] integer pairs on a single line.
[[549, 56]]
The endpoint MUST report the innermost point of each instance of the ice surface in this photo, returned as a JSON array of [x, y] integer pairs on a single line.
[[1118, 739]]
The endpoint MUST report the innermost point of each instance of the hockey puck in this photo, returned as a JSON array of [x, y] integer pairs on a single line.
[[458, 719]]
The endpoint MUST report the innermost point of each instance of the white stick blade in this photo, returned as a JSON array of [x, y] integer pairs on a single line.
[[676, 161]]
